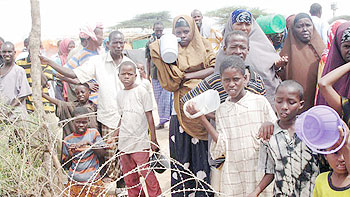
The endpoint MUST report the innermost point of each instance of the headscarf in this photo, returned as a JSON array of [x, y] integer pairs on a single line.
[[303, 60], [261, 56], [284, 36], [198, 55], [105, 44], [289, 21], [335, 60], [241, 16], [195, 53], [63, 49], [330, 36], [63, 53], [87, 31]]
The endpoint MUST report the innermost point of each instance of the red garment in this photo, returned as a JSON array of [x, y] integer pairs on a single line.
[[63, 53], [138, 159]]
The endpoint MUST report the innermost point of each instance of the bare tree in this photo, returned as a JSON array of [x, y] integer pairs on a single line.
[[50, 155]]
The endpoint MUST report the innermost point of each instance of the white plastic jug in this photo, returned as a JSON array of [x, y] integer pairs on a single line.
[[206, 102], [169, 48]]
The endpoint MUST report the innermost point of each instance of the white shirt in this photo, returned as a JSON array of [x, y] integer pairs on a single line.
[[22, 55], [321, 27], [133, 133], [238, 125], [103, 69]]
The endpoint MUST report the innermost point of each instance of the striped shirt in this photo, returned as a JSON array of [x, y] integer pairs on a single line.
[[77, 60], [255, 85], [26, 64], [238, 125], [85, 165], [293, 163]]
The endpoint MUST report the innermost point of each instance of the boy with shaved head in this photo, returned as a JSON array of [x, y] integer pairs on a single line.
[[14, 87]]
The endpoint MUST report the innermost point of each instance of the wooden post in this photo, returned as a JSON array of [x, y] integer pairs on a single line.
[[34, 48], [52, 165]]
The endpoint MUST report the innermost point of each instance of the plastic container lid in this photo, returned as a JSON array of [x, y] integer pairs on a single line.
[[206, 102]]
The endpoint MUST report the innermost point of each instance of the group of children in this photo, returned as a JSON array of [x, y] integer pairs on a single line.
[[251, 164], [84, 146]]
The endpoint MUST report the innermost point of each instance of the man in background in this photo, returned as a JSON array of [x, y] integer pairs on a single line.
[[320, 25], [214, 36], [162, 96]]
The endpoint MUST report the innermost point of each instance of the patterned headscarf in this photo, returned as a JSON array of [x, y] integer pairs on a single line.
[[261, 54], [241, 16], [331, 32], [346, 36]]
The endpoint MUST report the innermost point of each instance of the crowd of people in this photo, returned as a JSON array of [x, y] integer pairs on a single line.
[[247, 147]]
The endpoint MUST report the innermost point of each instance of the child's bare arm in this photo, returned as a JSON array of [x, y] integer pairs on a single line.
[[266, 130], [98, 150], [211, 116], [17, 101], [68, 80], [211, 130], [50, 99], [154, 145], [86, 145], [70, 150], [265, 181], [326, 86], [114, 136], [191, 108]]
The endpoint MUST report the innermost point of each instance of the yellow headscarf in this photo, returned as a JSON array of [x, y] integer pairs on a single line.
[[196, 56]]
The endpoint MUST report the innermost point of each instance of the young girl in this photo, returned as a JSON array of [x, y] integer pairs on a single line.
[[336, 183], [135, 107], [337, 102]]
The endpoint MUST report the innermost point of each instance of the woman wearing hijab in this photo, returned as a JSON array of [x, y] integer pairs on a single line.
[[66, 45], [262, 55], [330, 36], [188, 138], [337, 56], [303, 47]]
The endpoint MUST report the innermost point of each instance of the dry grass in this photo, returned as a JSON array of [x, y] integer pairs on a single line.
[[29, 164]]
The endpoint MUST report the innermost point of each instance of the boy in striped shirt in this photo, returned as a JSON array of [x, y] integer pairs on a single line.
[[83, 147]]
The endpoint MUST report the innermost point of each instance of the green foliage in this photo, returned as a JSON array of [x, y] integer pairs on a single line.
[[146, 20], [222, 14]]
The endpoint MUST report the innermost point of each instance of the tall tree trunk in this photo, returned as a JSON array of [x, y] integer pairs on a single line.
[[51, 162], [34, 48]]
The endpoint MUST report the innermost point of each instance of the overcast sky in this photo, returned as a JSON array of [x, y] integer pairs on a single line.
[[61, 18]]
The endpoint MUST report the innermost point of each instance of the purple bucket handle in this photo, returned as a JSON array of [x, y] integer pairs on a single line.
[[331, 151]]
